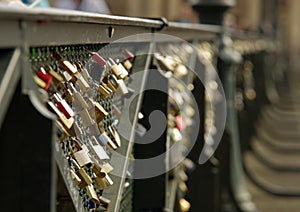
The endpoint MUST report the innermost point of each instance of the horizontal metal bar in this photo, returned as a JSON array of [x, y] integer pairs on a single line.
[[52, 14], [191, 32]]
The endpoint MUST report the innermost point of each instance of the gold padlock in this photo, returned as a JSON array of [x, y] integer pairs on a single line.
[[64, 133], [104, 93], [92, 194], [118, 69], [81, 173], [107, 168], [100, 112], [64, 63], [57, 78], [104, 202], [127, 64], [75, 177], [112, 85], [103, 182], [97, 169]]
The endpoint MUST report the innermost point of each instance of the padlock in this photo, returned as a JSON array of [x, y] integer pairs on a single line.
[[81, 82], [81, 155], [57, 78], [175, 134], [98, 150], [68, 95], [104, 93], [62, 132], [78, 101], [100, 112], [115, 135], [112, 86], [128, 58], [39, 82], [96, 57], [107, 168], [67, 122], [47, 78], [182, 186], [104, 202], [184, 205], [121, 86], [75, 177], [63, 106], [103, 182], [105, 139], [65, 64], [92, 194], [81, 173], [179, 122], [86, 118], [97, 169], [118, 69], [68, 77], [82, 70]]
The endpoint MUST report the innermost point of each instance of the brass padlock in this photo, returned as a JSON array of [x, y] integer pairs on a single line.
[[127, 64], [81, 155], [107, 168], [75, 177], [118, 69], [68, 77], [112, 86], [92, 194], [96, 168], [57, 78], [63, 134], [104, 93], [82, 174], [104, 182], [79, 101], [64, 63], [100, 112], [104, 202]]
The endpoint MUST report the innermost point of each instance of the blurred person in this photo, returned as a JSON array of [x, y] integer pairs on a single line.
[[95, 6], [186, 13], [29, 3]]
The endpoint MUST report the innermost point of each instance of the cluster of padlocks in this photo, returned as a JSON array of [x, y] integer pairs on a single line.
[[80, 93]]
